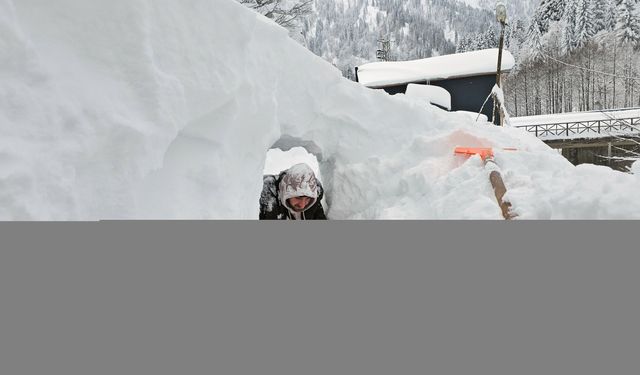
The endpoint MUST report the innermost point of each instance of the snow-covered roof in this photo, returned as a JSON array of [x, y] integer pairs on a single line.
[[459, 65]]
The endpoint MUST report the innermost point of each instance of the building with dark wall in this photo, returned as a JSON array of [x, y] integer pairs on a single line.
[[469, 77], [469, 93]]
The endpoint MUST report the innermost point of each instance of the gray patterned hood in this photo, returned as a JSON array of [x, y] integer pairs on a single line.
[[298, 181]]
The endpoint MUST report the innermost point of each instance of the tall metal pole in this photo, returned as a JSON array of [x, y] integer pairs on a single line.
[[501, 16], [501, 46], [499, 75]]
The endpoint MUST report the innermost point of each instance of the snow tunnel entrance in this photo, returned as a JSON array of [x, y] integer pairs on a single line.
[[289, 151]]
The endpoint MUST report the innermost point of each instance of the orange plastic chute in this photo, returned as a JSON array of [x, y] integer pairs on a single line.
[[484, 152]]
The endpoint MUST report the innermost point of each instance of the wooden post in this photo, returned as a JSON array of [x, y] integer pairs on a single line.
[[500, 190]]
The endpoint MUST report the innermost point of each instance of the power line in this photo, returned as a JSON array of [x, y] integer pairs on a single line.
[[637, 79]]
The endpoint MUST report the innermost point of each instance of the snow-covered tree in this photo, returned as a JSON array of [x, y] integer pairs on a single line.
[[285, 12], [580, 24], [603, 15], [611, 15], [586, 26], [463, 45], [628, 23], [548, 11], [491, 38]]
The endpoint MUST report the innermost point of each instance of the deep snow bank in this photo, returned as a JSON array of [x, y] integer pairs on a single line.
[[165, 109]]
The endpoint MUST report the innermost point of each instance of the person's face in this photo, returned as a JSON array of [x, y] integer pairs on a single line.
[[299, 203]]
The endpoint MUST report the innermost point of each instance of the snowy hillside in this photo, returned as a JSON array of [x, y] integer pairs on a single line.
[[165, 109], [346, 33], [520, 9]]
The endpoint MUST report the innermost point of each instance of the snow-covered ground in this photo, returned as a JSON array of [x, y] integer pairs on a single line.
[[166, 109]]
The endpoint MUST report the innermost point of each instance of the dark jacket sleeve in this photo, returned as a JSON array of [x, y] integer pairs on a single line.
[[269, 199], [317, 211]]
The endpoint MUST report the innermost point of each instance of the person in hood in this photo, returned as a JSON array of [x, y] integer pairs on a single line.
[[294, 194]]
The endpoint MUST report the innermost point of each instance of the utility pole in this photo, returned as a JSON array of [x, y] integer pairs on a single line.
[[501, 16], [384, 49]]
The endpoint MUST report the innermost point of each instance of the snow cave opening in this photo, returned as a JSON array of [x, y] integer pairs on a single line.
[[288, 151]]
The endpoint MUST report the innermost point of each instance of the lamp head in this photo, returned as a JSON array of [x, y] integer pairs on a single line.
[[501, 12]]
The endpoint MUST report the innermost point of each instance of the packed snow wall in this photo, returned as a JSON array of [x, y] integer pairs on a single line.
[[166, 109]]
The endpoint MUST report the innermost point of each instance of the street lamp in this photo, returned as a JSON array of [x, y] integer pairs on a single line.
[[501, 12]]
